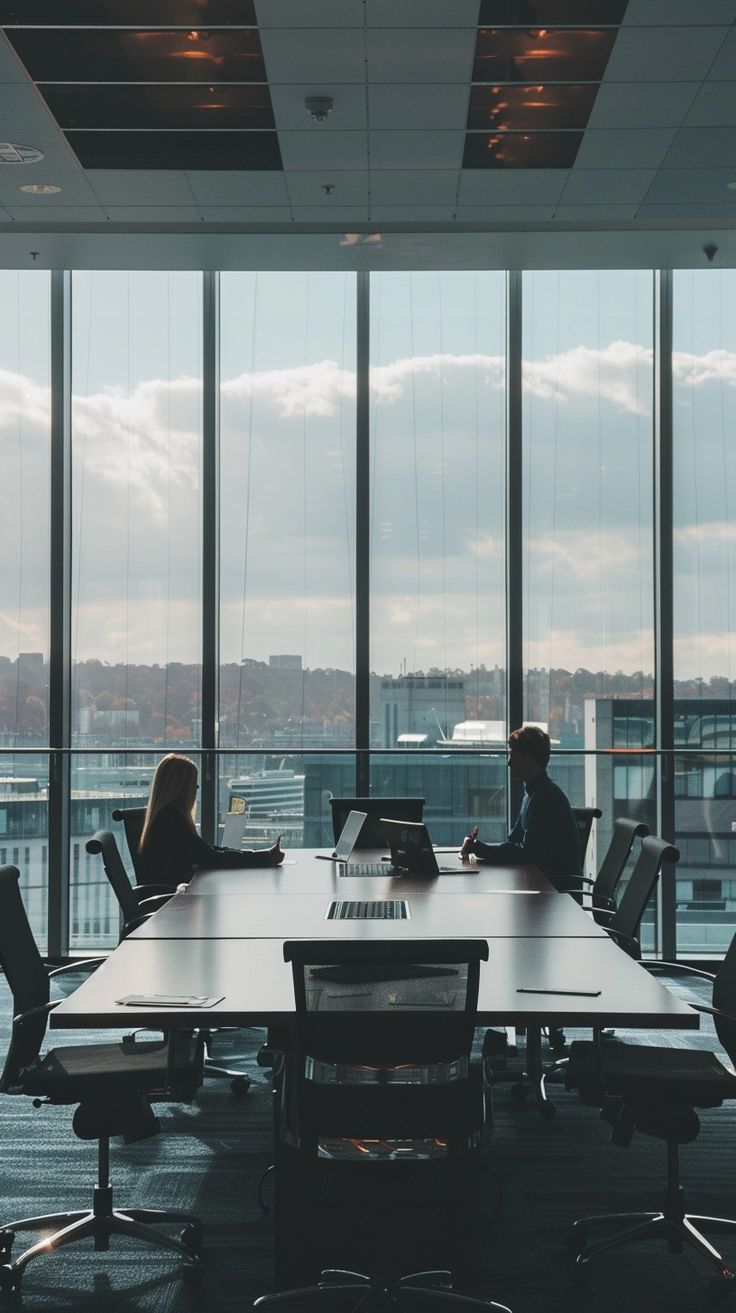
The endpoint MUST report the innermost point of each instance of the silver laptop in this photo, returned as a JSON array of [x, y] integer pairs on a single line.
[[348, 837]]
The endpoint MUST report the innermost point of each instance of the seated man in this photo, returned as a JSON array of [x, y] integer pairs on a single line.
[[545, 833]]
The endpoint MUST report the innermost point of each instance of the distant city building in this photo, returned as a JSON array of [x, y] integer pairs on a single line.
[[285, 661], [30, 664], [420, 711]]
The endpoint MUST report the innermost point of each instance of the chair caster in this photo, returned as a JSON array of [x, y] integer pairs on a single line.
[[580, 1275], [6, 1244], [191, 1238], [240, 1086], [548, 1110], [192, 1275], [9, 1279], [520, 1092]]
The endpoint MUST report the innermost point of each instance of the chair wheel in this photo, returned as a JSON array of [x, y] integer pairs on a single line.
[[191, 1238], [240, 1086], [192, 1275], [520, 1092], [6, 1244], [548, 1110], [9, 1279]]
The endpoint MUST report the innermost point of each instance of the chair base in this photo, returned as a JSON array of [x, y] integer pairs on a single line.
[[100, 1223], [677, 1228], [353, 1292]]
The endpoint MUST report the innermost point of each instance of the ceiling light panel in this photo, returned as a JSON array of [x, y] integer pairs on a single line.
[[176, 150], [521, 150], [159, 106], [542, 54], [509, 108], [115, 55]]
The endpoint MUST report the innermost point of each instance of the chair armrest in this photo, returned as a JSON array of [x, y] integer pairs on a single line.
[[89, 963], [713, 1012], [150, 905], [606, 911], [42, 1010], [580, 882], [650, 965], [133, 924], [153, 891], [626, 942]]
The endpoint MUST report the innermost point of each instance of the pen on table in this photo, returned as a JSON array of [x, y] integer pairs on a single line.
[[581, 993]]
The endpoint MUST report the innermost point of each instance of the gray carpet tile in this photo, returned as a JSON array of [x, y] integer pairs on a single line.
[[538, 1176]]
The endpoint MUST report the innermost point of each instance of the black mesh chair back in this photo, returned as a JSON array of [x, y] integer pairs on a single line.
[[617, 854], [626, 920], [133, 819], [103, 842], [372, 835], [724, 1000], [584, 817], [385, 1003], [26, 976]]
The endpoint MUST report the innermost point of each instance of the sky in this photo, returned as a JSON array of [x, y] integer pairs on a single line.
[[437, 468]]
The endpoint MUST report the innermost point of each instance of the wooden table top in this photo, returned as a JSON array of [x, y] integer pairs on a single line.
[[256, 985]]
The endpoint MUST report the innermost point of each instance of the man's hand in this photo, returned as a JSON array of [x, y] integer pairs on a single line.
[[275, 853], [470, 844]]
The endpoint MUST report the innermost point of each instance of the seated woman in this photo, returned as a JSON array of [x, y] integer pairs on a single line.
[[170, 846]]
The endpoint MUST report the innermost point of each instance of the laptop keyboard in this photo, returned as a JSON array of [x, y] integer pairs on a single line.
[[366, 868], [384, 909]]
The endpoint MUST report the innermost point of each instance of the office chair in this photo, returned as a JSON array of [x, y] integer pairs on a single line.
[[655, 1090], [113, 1086], [623, 922], [137, 903], [584, 817], [133, 819], [380, 1065], [602, 889], [372, 835]]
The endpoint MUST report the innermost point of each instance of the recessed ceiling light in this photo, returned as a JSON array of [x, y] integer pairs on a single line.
[[12, 153], [41, 189]]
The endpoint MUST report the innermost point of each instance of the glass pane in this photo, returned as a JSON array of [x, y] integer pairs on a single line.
[[25, 464], [704, 587], [460, 790], [287, 677], [24, 829], [587, 450], [437, 407], [136, 611], [284, 794]]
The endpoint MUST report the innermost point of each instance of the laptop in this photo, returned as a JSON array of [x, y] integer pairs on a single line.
[[347, 839], [233, 829], [412, 851]]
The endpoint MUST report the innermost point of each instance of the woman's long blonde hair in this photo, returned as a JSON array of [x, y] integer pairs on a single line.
[[174, 783]]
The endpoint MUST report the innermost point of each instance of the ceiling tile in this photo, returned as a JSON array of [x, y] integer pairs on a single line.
[[513, 187], [256, 214], [595, 213], [679, 13], [323, 151], [412, 213], [306, 188], [634, 148], [321, 52], [422, 13], [57, 153], [22, 108], [153, 213], [714, 106], [416, 187], [348, 112], [692, 213], [67, 214], [11, 69], [642, 105], [504, 213], [75, 190], [679, 185], [703, 148], [143, 186], [725, 65], [414, 55], [661, 54], [392, 105], [295, 13], [622, 186], [416, 150], [238, 188]]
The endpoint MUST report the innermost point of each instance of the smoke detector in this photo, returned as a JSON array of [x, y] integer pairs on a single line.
[[318, 107]]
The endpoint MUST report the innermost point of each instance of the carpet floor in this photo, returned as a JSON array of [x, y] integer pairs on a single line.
[[538, 1176]]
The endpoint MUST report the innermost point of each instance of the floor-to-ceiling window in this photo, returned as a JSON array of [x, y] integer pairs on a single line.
[[365, 437]]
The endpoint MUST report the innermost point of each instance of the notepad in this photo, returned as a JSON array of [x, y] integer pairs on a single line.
[[168, 1001]]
